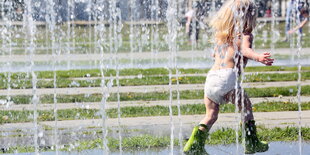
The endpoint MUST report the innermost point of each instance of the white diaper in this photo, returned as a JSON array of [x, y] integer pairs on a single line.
[[219, 83]]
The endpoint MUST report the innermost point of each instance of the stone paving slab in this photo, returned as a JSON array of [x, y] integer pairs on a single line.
[[139, 89], [110, 105], [268, 119], [161, 125]]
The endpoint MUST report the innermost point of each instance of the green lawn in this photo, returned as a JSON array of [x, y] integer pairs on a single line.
[[135, 71], [155, 76]]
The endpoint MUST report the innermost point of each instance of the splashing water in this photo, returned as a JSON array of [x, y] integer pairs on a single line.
[[171, 38], [6, 37], [50, 19], [275, 34], [117, 28], [299, 47], [102, 43], [31, 48], [296, 48]]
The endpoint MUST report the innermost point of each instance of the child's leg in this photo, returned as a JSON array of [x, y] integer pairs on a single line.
[[197, 31], [212, 111], [247, 104], [196, 142], [248, 113], [190, 30], [252, 143]]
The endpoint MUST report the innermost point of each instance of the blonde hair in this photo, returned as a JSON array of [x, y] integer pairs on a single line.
[[234, 14]]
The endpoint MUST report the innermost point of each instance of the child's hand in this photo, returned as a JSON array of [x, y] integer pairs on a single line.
[[291, 31], [264, 58]]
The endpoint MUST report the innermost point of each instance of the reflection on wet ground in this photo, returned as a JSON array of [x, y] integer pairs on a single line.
[[275, 148]]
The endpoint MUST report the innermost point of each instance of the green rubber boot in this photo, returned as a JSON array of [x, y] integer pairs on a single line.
[[252, 144], [195, 144]]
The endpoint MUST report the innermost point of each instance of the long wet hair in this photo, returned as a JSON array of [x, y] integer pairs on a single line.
[[233, 18]]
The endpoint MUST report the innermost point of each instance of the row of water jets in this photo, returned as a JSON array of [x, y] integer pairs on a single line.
[[108, 40]]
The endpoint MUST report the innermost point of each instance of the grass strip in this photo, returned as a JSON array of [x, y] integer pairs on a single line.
[[13, 116], [159, 80], [222, 136], [154, 96], [133, 72]]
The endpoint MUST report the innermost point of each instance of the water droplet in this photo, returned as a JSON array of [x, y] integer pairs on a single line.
[[37, 4], [42, 142], [77, 116], [74, 83], [5, 117], [40, 134], [3, 102], [140, 76]]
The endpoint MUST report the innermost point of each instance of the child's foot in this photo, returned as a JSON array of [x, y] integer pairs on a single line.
[[252, 144], [195, 144], [259, 146]]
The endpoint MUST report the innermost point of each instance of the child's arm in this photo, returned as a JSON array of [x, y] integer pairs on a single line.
[[302, 24], [248, 52], [189, 16], [187, 25]]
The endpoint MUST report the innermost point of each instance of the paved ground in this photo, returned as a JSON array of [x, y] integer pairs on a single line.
[[161, 124], [140, 55]]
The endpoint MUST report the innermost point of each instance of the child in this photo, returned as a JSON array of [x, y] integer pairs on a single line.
[[194, 18], [221, 82], [301, 11], [304, 17], [190, 23]]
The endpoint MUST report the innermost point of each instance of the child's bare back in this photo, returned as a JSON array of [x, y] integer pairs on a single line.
[[227, 55]]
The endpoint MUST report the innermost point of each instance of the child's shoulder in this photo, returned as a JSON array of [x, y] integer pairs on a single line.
[[248, 36]]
